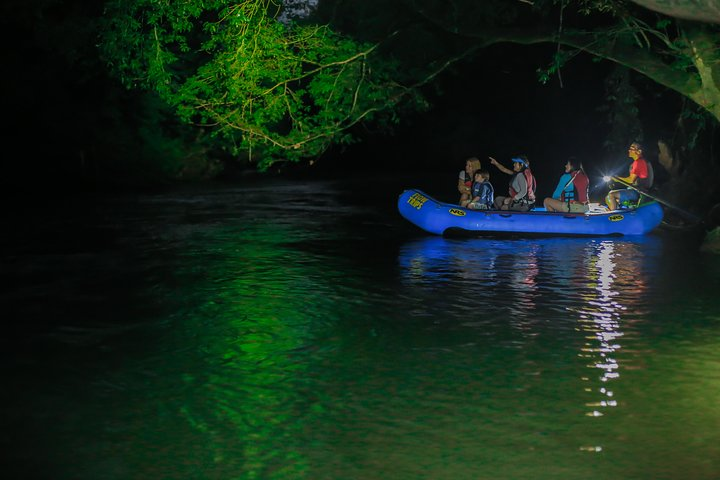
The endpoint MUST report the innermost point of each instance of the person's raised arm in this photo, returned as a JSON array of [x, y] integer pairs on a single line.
[[500, 167]]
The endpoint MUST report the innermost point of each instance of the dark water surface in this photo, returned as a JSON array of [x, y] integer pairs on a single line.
[[303, 330]]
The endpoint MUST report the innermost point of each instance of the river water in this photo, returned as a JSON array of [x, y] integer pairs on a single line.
[[303, 330]]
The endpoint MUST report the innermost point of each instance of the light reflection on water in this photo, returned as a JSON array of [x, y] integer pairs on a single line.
[[332, 342]]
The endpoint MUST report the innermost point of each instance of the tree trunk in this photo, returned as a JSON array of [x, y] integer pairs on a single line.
[[699, 10]]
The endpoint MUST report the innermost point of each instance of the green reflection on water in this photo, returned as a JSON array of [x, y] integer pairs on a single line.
[[267, 302], [279, 363]]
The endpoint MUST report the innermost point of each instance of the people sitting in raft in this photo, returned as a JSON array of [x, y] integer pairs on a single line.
[[483, 193], [571, 193], [639, 176], [521, 196], [465, 180]]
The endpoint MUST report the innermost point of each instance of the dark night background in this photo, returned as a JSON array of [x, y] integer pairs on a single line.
[[172, 312], [494, 105], [76, 129]]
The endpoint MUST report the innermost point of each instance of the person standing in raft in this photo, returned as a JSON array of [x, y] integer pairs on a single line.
[[571, 193], [639, 176], [521, 196], [465, 180]]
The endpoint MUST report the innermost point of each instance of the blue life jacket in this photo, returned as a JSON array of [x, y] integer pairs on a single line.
[[485, 191]]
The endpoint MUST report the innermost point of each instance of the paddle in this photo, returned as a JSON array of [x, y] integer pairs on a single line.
[[689, 215]]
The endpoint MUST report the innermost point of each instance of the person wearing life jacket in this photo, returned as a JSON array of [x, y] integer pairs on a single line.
[[465, 180], [521, 196], [483, 193], [571, 193], [639, 176]]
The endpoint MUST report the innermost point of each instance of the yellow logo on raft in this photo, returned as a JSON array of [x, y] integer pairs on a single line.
[[615, 218], [416, 200], [457, 212]]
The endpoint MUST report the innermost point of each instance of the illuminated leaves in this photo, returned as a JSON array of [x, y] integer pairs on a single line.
[[285, 90], [269, 89]]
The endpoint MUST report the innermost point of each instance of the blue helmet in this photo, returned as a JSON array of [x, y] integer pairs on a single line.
[[520, 160]]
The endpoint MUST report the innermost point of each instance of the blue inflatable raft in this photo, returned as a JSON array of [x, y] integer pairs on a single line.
[[443, 218]]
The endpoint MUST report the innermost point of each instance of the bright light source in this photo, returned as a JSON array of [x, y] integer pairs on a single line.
[[606, 178]]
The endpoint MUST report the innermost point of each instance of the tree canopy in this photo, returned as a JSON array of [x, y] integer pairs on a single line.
[[273, 86], [276, 90]]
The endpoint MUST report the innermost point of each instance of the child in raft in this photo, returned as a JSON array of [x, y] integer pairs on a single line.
[[482, 192]]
